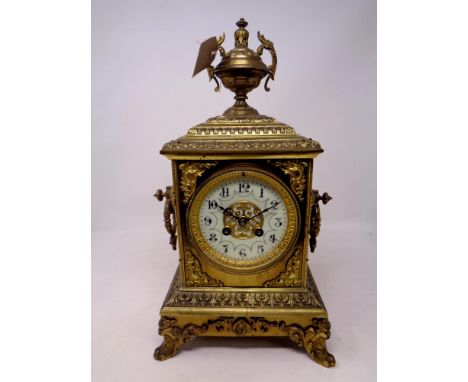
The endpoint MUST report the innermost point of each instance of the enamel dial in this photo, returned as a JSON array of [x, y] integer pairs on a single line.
[[243, 219]]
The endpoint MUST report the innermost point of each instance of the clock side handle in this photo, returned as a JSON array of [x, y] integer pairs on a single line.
[[315, 218], [168, 214]]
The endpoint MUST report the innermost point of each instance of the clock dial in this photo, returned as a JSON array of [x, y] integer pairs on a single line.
[[243, 219]]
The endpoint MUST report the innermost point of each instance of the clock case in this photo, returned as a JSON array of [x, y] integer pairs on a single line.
[[205, 299]]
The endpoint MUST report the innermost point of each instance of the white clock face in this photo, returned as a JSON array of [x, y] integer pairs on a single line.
[[244, 217]]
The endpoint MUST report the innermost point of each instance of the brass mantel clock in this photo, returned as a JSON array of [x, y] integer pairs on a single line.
[[243, 213]]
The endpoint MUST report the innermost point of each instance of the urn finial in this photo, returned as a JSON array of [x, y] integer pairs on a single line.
[[241, 36]]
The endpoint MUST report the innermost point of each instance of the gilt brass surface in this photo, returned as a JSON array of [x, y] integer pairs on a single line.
[[295, 313], [216, 295]]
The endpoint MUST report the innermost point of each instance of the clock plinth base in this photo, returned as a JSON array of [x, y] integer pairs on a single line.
[[297, 313]]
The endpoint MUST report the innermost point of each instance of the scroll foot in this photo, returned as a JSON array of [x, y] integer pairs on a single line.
[[313, 340], [174, 337], [168, 349]]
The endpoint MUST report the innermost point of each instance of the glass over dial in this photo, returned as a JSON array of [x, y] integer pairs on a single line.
[[243, 218]]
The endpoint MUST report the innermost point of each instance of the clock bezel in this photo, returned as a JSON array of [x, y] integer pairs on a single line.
[[228, 264]]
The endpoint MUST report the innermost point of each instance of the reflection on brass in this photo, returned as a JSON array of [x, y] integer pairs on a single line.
[[169, 214], [292, 274], [195, 275], [244, 219], [295, 170], [315, 218], [190, 173]]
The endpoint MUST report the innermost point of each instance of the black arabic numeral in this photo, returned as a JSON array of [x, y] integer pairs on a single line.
[[212, 204], [207, 220], [213, 237], [272, 238], [242, 253], [244, 187]]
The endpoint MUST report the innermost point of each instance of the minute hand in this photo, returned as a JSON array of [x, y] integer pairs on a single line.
[[265, 210]]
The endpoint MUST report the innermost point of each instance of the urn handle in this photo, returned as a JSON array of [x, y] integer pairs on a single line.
[[268, 45], [315, 218], [168, 214]]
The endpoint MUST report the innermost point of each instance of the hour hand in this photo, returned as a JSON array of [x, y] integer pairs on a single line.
[[228, 211]]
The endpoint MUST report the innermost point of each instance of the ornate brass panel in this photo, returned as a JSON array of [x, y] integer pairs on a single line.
[[293, 298], [190, 173], [295, 170], [228, 264], [195, 275], [292, 274]]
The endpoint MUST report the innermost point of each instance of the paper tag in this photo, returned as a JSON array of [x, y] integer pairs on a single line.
[[206, 55]]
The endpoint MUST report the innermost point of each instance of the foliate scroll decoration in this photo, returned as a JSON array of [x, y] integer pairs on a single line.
[[174, 337], [242, 326], [244, 299], [191, 171], [195, 275], [312, 339], [295, 169], [292, 274], [315, 218]]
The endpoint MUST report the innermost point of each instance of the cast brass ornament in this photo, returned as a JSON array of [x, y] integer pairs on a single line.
[[315, 219], [174, 337], [292, 275], [190, 173], [169, 214], [250, 213], [242, 213], [244, 298], [295, 170], [268, 45], [195, 275], [312, 338]]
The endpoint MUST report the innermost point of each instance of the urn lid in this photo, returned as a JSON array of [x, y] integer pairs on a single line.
[[241, 58], [240, 129]]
